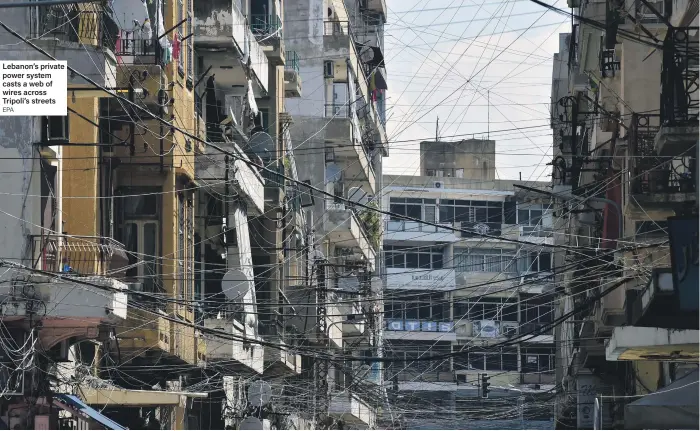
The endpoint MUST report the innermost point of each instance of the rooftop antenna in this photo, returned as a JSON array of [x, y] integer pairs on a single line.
[[437, 126]]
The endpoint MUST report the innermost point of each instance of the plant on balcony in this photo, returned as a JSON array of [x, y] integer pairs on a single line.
[[372, 224]]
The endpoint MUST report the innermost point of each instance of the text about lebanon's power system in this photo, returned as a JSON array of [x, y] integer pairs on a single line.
[[33, 88]]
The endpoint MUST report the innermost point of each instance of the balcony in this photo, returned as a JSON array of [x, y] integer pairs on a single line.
[[247, 182], [267, 30], [77, 256], [633, 343], [280, 361], [292, 78], [351, 409], [343, 226], [237, 354], [274, 184], [83, 34], [354, 319], [679, 93], [223, 34], [659, 183]]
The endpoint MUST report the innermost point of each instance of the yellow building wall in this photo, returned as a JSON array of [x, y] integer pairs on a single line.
[[178, 163], [81, 171]]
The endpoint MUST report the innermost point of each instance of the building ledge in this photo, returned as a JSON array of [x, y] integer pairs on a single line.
[[632, 343], [675, 141]]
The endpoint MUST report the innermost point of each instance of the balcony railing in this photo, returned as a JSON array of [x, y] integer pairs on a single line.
[[337, 110], [292, 61], [77, 255], [336, 28], [266, 27], [679, 78], [133, 48], [652, 173], [86, 23], [275, 178]]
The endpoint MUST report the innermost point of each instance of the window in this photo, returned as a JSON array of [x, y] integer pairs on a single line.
[[486, 309], [537, 359], [138, 211], [413, 257], [431, 307], [484, 260], [534, 262], [531, 214], [536, 310], [471, 211]]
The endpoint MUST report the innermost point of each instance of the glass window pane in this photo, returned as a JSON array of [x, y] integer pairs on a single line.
[[411, 260], [447, 214], [490, 311], [510, 313], [413, 211], [535, 217], [545, 261], [461, 214], [480, 215], [495, 215], [510, 362], [424, 260], [424, 310], [437, 260], [476, 361], [131, 242], [493, 362], [397, 209], [412, 310], [149, 257], [523, 217]]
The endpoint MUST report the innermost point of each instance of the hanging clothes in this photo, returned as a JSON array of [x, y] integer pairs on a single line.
[[176, 47]]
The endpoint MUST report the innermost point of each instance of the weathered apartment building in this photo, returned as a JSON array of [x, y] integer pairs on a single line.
[[469, 283], [625, 121], [164, 273]]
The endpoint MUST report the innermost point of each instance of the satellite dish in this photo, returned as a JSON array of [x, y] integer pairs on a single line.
[[259, 393], [251, 424], [235, 284], [262, 144]]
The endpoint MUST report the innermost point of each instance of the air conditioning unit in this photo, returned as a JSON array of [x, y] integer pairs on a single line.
[[328, 69], [439, 185], [135, 287], [509, 329]]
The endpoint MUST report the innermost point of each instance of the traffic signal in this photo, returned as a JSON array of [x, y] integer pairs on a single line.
[[485, 386]]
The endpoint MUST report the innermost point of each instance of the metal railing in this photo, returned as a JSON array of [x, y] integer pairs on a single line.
[[134, 48], [86, 23], [652, 173], [77, 255], [292, 61], [276, 178], [266, 25], [679, 78]]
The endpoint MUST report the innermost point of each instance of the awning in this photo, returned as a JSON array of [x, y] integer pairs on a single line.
[[77, 406], [672, 407]]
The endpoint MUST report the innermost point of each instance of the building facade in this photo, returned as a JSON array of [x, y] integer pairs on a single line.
[[469, 278], [625, 176]]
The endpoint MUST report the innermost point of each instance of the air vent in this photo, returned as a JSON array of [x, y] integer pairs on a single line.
[[439, 185]]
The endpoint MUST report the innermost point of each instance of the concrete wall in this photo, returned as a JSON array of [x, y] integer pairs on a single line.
[[476, 156], [20, 171]]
